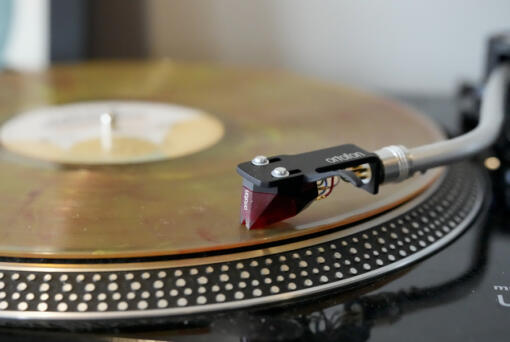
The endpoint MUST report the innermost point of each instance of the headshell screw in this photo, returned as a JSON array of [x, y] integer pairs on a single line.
[[280, 172], [260, 161]]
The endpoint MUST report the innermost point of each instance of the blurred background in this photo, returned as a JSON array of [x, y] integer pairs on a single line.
[[389, 46]]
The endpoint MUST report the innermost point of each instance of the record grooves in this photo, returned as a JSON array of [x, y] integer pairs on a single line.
[[161, 179]]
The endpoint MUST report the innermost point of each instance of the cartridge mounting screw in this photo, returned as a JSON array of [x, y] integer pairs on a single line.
[[260, 161], [280, 172]]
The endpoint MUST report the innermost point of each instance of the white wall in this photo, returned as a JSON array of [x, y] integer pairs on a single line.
[[27, 44], [388, 45]]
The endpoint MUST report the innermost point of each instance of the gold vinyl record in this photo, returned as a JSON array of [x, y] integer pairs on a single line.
[[133, 159]]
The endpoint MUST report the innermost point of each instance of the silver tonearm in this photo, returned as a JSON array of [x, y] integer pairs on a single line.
[[400, 163]]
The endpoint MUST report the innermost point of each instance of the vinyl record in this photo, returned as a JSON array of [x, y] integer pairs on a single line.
[[163, 181]]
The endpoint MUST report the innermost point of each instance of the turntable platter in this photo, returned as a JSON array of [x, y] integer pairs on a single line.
[[189, 202]]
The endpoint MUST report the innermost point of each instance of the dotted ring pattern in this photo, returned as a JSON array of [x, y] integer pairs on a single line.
[[255, 278]]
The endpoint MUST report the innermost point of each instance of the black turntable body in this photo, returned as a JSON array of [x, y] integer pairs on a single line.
[[428, 262], [464, 288]]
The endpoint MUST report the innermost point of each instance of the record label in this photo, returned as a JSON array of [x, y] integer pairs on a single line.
[[110, 132]]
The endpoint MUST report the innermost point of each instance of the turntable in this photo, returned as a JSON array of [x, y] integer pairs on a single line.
[[120, 203]]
